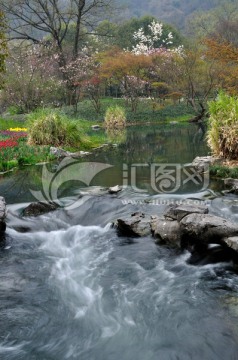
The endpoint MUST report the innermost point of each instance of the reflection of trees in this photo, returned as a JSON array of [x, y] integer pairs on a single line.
[[15, 186], [200, 133], [166, 143], [142, 145]]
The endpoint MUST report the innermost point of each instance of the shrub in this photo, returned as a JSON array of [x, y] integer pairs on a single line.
[[52, 128], [115, 117], [223, 127]]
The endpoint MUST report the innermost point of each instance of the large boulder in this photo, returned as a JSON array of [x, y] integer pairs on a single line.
[[206, 228], [187, 227], [3, 212], [138, 224]]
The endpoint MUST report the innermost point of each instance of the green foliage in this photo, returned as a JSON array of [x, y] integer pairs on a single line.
[[222, 171], [22, 154], [121, 35], [223, 126], [146, 111], [115, 117], [48, 127]]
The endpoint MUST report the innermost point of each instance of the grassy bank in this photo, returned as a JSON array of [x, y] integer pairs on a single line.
[[23, 143], [146, 112], [17, 147]]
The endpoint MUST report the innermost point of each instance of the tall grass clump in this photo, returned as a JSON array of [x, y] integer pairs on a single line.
[[48, 127], [115, 117], [223, 126]]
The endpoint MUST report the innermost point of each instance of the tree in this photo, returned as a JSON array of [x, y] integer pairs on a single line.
[[31, 78], [199, 77], [225, 54], [222, 20], [33, 20], [3, 47], [127, 70], [126, 31]]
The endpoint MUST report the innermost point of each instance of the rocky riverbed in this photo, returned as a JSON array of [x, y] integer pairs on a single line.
[[186, 227]]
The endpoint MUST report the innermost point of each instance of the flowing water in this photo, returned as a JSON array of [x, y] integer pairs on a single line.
[[70, 288]]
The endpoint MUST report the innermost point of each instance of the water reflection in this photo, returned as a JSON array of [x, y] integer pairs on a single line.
[[162, 144]]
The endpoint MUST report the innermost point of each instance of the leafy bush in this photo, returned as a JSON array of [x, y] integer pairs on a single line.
[[223, 171], [115, 117], [223, 129], [47, 127]]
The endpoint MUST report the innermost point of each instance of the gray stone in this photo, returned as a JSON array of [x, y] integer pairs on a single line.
[[231, 182], [3, 213], [178, 212], [61, 153], [165, 232], [58, 152], [232, 242], [202, 163], [138, 224], [206, 228]]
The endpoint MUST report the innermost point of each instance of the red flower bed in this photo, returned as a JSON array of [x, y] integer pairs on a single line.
[[8, 143]]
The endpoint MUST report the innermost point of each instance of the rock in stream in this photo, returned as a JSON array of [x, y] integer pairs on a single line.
[[185, 227], [3, 212]]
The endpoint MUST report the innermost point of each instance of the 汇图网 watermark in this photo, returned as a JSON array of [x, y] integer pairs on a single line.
[[162, 178]]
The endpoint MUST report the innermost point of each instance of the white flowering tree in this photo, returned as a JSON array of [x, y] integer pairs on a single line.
[[146, 43]]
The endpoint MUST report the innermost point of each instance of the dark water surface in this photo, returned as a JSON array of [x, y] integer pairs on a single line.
[[70, 288]]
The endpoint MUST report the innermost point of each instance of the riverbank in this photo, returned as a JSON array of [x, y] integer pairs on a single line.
[[15, 150]]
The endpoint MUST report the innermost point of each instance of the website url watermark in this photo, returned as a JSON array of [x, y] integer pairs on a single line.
[[158, 202]]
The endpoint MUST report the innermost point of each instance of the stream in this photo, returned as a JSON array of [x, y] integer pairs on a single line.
[[71, 288]]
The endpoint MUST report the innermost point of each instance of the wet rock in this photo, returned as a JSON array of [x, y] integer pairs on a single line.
[[178, 212], [114, 189], [61, 153], [232, 242], [231, 182], [232, 185], [138, 224], [165, 232], [3, 212], [79, 154], [39, 208], [58, 152], [202, 163], [187, 227], [206, 228]]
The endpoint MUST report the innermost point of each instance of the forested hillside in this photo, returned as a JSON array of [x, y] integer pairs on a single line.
[[171, 11]]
